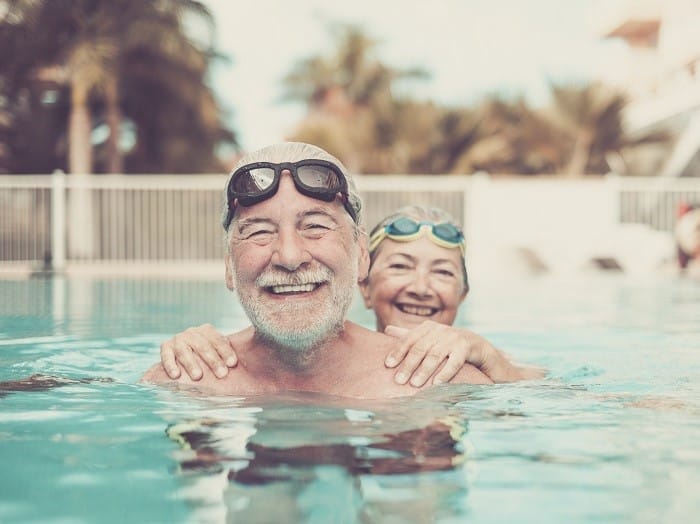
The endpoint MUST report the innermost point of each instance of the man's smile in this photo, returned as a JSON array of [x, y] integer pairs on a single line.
[[294, 284], [287, 289]]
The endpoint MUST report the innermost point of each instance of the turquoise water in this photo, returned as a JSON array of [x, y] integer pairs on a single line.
[[611, 435]]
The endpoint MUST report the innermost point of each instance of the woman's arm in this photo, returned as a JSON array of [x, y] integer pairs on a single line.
[[423, 349]]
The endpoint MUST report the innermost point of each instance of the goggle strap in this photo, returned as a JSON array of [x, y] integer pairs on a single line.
[[444, 243], [376, 239], [321, 193], [380, 235]]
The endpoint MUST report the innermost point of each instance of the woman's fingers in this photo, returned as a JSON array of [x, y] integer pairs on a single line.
[[432, 360], [397, 354], [167, 358], [449, 370], [423, 349], [196, 342], [187, 350], [215, 349], [415, 355], [441, 347], [405, 353], [225, 350], [176, 355], [422, 354]]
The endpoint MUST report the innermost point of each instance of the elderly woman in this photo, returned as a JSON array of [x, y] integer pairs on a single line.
[[417, 281]]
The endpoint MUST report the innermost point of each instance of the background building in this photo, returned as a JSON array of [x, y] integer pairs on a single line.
[[660, 73]]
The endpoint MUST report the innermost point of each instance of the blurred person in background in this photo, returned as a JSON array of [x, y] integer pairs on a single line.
[[687, 234]]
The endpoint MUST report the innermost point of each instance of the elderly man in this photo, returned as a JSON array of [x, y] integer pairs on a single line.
[[295, 252]]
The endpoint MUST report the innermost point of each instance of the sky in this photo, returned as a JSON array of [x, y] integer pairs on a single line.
[[470, 48]]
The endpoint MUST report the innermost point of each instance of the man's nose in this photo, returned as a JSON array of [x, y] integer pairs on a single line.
[[290, 251]]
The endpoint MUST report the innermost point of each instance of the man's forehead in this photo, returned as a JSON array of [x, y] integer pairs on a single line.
[[284, 211]]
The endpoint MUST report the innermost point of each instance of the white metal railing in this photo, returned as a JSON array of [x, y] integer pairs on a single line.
[[381, 194], [113, 218], [654, 201], [124, 219], [25, 207]]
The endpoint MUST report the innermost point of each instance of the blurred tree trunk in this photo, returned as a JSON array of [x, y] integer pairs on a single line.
[[125, 60], [80, 216], [79, 129], [115, 159], [581, 153]]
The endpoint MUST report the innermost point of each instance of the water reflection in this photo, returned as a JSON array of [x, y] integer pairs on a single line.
[[311, 458]]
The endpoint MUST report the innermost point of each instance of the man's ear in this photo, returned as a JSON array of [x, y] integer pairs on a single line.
[[363, 270], [230, 281], [364, 291], [363, 258]]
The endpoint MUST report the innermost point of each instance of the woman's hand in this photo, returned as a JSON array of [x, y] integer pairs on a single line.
[[205, 342], [424, 348]]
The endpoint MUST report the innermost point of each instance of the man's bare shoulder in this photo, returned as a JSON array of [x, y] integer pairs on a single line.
[[373, 347], [368, 341], [156, 374], [237, 382], [363, 373], [469, 374]]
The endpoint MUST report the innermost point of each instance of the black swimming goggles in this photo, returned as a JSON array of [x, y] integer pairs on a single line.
[[405, 229], [253, 183]]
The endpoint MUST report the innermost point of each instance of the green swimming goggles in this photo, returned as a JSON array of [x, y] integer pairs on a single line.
[[406, 229]]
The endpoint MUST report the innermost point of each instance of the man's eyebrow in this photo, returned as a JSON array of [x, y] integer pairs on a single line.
[[311, 213], [242, 225]]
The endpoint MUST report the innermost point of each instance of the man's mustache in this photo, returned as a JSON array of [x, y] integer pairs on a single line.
[[274, 277]]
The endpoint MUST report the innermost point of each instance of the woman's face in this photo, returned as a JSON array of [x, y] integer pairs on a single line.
[[410, 282]]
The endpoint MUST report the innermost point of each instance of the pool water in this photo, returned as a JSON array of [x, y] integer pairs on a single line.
[[611, 435]]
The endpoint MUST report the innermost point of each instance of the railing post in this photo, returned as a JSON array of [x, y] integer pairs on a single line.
[[477, 198], [614, 186], [81, 227], [58, 220]]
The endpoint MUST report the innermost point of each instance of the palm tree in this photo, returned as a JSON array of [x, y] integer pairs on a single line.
[[95, 47], [352, 67], [349, 97], [591, 118], [513, 139], [114, 57], [584, 114]]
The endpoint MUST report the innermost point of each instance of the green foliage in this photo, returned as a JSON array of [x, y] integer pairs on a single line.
[[353, 112], [128, 62], [130, 65]]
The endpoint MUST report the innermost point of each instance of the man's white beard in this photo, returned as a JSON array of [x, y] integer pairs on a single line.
[[293, 325]]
